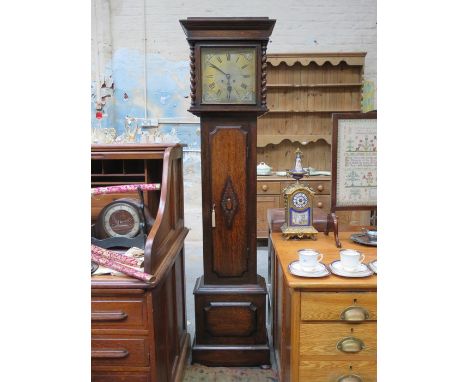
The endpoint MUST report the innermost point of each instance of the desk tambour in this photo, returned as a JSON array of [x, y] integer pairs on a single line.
[[324, 329]]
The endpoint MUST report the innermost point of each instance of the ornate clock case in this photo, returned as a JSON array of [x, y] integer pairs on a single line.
[[228, 93]]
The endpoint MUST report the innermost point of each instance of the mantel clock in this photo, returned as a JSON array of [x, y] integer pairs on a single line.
[[228, 93], [298, 205]]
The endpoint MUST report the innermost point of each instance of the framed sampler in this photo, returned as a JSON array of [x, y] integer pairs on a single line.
[[354, 161]]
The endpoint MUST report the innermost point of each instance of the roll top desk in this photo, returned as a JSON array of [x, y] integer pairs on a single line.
[[139, 331]]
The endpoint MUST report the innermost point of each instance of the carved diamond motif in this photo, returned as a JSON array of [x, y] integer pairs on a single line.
[[229, 202]]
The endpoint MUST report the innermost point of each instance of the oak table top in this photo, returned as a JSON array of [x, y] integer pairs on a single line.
[[286, 252]]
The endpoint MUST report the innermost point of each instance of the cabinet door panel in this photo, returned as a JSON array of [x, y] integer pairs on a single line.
[[229, 195], [263, 204]]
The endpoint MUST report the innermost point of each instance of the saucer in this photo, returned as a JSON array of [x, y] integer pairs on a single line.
[[337, 268], [373, 266], [296, 270], [362, 238]]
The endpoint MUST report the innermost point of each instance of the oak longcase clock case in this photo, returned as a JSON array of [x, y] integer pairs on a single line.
[[228, 93]]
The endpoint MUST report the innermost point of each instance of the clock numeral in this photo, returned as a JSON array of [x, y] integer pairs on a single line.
[[219, 59], [210, 76], [212, 85], [218, 93], [237, 58], [246, 75], [228, 56], [243, 67], [243, 86], [237, 92]]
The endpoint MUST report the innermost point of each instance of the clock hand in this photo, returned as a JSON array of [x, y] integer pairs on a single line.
[[214, 66], [229, 87]]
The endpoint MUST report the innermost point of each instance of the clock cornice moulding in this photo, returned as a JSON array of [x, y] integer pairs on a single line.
[[227, 28]]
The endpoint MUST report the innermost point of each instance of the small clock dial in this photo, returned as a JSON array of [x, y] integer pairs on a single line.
[[121, 219], [300, 200], [228, 75]]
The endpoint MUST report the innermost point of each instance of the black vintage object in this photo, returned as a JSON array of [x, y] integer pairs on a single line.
[[125, 223], [228, 93]]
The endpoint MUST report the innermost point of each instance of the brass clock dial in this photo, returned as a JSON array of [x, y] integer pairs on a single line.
[[228, 75]]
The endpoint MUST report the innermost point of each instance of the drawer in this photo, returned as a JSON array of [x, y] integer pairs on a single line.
[[350, 307], [323, 202], [118, 312], [319, 187], [120, 377], [106, 351], [318, 339], [332, 371], [268, 188]]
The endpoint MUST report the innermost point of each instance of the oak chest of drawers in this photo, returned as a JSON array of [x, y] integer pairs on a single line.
[[269, 190], [324, 330]]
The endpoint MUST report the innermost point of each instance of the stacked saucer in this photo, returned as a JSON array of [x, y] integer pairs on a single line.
[[361, 271], [319, 271]]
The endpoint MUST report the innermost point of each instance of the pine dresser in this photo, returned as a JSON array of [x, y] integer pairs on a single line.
[[324, 329]]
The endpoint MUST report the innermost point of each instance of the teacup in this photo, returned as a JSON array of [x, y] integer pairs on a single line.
[[351, 259], [371, 234], [309, 259]]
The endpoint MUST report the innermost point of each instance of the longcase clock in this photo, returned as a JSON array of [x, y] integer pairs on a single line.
[[228, 93]]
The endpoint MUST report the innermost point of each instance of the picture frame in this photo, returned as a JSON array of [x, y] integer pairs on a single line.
[[354, 161]]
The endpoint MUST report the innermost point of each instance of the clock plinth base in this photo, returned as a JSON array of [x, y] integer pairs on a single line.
[[234, 355], [299, 232], [231, 324]]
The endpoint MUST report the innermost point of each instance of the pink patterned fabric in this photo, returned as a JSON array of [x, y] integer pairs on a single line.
[[129, 271], [125, 188], [114, 256]]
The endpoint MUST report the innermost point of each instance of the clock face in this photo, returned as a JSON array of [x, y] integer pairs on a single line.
[[121, 219], [300, 200], [228, 75]]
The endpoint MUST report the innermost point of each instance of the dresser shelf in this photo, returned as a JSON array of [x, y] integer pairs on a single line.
[[314, 86]]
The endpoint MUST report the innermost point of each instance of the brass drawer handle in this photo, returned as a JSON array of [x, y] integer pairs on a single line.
[[350, 345], [320, 188], [349, 378], [319, 204], [109, 353], [354, 314], [108, 316], [265, 187]]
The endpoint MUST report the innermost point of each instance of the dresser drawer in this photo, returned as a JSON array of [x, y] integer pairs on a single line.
[[317, 339], [118, 312], [107, 351], [268, 188], [323, 202], [351, 307], [319, 187], [120, 377], [332, 371]]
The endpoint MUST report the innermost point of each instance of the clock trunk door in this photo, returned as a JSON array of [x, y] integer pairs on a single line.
[[229, 208]]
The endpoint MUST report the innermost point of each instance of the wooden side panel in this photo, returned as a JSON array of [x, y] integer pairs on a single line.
[[228, 193], [120, 377]]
